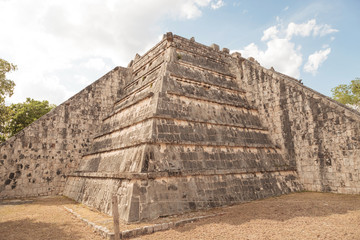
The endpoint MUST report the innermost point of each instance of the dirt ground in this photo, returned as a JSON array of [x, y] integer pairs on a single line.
[[296, 216], [41, 218]]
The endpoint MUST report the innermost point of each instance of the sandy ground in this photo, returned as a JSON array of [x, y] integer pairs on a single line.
[[41, 218], [295, 216]]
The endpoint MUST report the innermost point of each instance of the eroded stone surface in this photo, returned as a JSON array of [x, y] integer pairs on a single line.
[[195, 142], [37, 160], [319, 135], [185, 127]]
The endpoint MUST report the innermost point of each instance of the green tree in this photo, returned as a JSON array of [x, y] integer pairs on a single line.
[[15, 117], [6, 89], [348, 94], [23, 114], [4, 118], [6, 85]]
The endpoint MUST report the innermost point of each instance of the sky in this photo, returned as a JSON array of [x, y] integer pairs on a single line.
[[60, 47]]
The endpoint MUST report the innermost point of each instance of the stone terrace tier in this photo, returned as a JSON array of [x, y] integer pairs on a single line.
[[185, 127], [182, 137]]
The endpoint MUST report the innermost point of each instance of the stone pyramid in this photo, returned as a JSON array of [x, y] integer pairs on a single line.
[[181, 137]]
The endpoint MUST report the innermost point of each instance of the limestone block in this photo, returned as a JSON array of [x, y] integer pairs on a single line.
[[215, 47]]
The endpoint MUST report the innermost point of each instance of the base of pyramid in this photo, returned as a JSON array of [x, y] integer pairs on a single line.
[[149, 196]]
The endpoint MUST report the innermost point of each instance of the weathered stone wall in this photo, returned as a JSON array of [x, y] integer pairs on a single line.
[[121, 144], [36, 161], [144, 196], [184, 137], [320, 136], [168, 195], [185, 127], [98, 192]]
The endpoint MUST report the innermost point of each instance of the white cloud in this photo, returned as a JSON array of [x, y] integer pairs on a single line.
[[217, 4], [46, 38], [97, 64], [82, 79], [270, 33], [323, 30], [286, 8], [315, 60], [280, 54], [189, 10], [306, 29], [283, 53], [303, 30]]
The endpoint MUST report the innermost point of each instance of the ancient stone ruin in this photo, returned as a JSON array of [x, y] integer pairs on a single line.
[[185, 127]]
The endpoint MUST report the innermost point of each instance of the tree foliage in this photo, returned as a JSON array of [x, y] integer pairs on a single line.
[[15, 117], [348, 94], [6, 89], [6, 85], [23, 114], [4, 117]]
